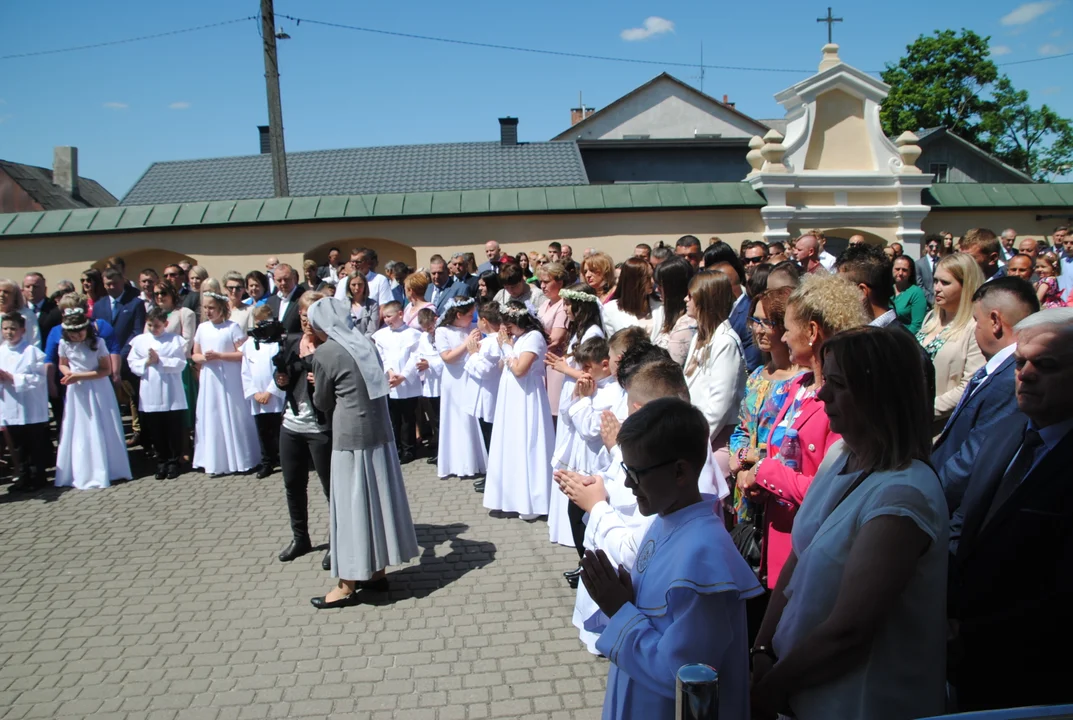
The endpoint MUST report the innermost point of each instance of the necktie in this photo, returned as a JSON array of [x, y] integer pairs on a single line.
[[974, 382], [115, 306], [1016, 472]]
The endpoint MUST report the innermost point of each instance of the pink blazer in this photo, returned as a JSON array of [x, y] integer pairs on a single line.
[[785, 488]]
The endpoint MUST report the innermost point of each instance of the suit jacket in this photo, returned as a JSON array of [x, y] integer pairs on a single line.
[[128, 320], [959, 444], [290, 321], [1011, 580], [339, 390], [470, 282], [48, 318], [926, 279], [488, 266], [191, 300], [739, 320], [453, 289]]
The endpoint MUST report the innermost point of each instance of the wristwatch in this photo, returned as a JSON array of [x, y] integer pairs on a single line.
[[762, 650]]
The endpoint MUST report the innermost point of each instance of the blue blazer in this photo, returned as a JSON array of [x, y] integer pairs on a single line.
[[453, 289], [128, 322], [739, 320], [959, 444], [1010, 586]]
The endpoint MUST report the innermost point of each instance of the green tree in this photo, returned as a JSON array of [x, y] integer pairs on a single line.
[[941, 80], [1039, 142]]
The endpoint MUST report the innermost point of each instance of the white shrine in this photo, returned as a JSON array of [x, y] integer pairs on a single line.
[[835, 168]]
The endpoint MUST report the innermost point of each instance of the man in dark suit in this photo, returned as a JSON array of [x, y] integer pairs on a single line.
[[494, 255], [35, 292], [989, 398], [177, 277], [926, 268], [284, 302], [459, 269], [333, 269], [123, 309], [1011, 542], [739, 313], [443, 287]]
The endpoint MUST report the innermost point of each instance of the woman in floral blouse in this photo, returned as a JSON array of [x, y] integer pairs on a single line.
[[765, 390]]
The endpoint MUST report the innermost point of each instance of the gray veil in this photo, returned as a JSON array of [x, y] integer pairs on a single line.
[[332, 317]]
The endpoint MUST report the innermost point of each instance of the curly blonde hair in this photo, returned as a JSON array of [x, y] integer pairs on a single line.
[[830, 301]]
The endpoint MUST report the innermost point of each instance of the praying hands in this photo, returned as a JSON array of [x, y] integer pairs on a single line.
[[609, 588]]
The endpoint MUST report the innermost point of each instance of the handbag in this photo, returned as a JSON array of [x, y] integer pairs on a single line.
[[748, 538]]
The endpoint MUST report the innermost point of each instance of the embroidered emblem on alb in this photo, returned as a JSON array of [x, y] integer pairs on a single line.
[[645, 555]]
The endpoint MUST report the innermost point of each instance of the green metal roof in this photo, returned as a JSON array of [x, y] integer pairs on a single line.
[[537, 200], [979, 196]]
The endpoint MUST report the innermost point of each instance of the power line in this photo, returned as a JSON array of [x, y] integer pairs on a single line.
[[1022, 62], [127, 40], [538, 51]]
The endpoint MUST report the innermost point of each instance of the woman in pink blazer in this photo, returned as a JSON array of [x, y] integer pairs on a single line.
[[821, 307]]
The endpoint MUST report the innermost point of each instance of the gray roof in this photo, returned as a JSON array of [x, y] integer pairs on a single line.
[[37, 182], [357, 171]]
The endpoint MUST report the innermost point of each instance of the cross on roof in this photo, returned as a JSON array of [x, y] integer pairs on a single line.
[[830, 20]]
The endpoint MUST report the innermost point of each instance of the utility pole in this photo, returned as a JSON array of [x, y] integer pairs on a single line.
[[275, 108]]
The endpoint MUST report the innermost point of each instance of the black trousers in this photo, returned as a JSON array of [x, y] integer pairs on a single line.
[[428, 419], [34, 446], [577, 526], [403, 412], [295, 452], [268, 429], [165, 430], [486, 433]]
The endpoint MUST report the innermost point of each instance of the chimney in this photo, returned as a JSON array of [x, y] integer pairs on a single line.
[[266, 143], [65, 169], [579, 114], [508, 131], [726, 101]]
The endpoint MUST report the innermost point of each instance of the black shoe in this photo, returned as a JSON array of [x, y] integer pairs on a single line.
[[406, 458], [326, 563], [573, 582], [173, 470], [432, 460], [350, 600], [161, 471], [296, 549], [264, 471], [380, 585], [478, 485], [25, 486], [573, 576]]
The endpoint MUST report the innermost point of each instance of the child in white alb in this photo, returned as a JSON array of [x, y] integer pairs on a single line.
[[484, 365], [398, 344], [429, 369], [24, 403], [461, 449], [259, 386], [158, 357]]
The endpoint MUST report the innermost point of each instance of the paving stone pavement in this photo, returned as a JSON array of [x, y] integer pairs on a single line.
[[164, 599]]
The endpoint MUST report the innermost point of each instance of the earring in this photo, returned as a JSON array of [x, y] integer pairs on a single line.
[[810, 343]]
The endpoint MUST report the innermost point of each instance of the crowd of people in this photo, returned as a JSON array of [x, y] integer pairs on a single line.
[[841, 481]]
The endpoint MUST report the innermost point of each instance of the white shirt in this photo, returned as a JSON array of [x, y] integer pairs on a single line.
[[284, 303], [258, 375], [161, 388], [24, 401], [398, 350], [828, 261], [717, 383], [379, 288], [485, 368], [997, 359]]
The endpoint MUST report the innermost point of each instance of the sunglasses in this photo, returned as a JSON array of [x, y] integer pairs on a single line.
[[763, 322], [235, 288], [753, 260], [161, 294]]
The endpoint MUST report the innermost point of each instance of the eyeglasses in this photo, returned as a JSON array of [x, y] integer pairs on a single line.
[[634, 474], [762, 322], [235, 288]]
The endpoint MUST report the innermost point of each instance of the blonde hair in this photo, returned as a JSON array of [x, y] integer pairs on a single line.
[[308, 298], [963, 268], [417, 284], [830, 301], [602, 263], [198, 271]]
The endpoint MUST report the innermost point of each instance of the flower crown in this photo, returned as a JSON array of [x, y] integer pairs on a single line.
[[215, 296], [75, 319], [578, 296], [516, 312]]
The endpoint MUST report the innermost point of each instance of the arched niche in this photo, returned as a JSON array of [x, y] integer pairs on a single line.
[[386, 250], [138, 260]]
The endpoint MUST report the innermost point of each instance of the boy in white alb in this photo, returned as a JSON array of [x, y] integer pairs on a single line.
[[429, 368], [397, 344], [684, 601], [484, 366], [259, 386], [158, 357], [24, 402]]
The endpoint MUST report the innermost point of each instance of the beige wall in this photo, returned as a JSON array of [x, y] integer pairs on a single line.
[[223, 248], [839, 139]]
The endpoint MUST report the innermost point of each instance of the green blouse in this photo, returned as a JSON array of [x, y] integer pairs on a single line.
[[911, 306]]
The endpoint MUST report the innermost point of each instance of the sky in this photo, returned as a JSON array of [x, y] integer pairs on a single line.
[[202, 94]]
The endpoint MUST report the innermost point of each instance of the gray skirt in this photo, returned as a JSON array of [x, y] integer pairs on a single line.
[[371, 527]]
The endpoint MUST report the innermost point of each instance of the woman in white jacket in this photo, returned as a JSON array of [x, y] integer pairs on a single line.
[[715, 365]]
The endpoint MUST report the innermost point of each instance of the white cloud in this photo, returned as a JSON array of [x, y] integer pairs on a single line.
[[181, 105], [1028, 12], [651, 26], [1000, 50], [116, 105], [1050, 49]]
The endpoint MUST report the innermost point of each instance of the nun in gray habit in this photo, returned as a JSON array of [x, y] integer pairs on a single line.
[[371, 526]]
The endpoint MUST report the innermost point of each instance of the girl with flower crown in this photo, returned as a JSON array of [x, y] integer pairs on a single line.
[[522, 420], [93, 451], [225, 435], [461, 446]]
